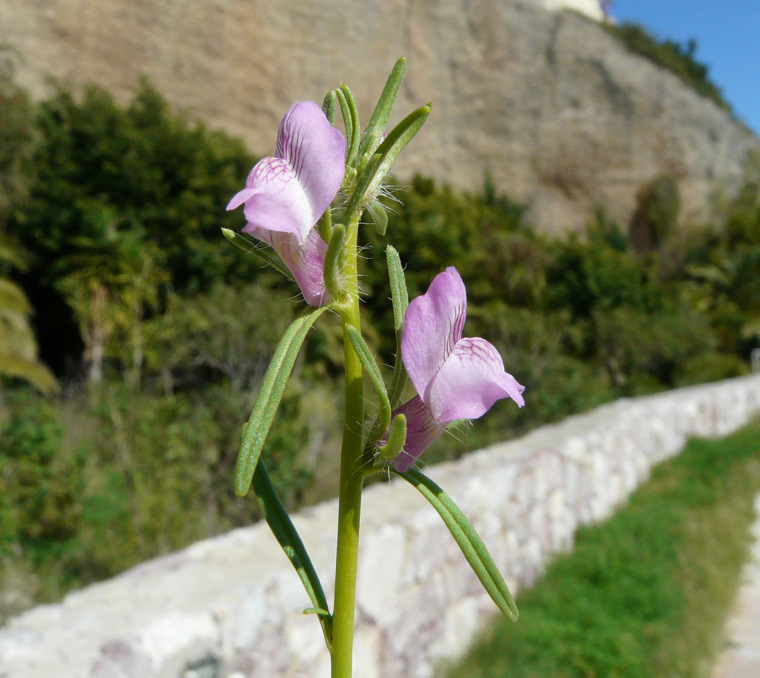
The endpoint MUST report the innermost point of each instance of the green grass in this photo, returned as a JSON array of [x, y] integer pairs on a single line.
[[646, 593]]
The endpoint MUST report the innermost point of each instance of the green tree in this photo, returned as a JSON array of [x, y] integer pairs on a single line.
[[18, 345], [142, 185], [656, 215]]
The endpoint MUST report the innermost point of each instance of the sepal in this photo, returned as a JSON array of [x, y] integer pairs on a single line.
[[334, 259], [263, 255], [400, 300], [396, 439], [324, 225], [379, 217]]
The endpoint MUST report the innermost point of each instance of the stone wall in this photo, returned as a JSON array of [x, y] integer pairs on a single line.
[[229, 607], [559, 112]]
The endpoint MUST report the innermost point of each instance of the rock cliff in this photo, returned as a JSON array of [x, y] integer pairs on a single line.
[[559, 113]]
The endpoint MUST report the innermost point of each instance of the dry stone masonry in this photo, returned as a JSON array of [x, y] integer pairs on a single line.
[[230, 607], [557, 110]]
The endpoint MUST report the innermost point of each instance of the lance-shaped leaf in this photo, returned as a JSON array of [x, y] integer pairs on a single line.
[[269, 397], [369, 364], [287, 536], [385, 155], [400, 300], [329, 105], [469, 541], [382, 112], [263, 255], [351, 121], [348, 119]]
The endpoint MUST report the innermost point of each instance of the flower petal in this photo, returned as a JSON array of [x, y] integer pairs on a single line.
[[274, 200], [432, 326], [421, 431], [306, 261], [471, 380], [315, 150], [240, 197]]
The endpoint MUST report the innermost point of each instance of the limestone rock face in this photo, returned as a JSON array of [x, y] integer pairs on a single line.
[[559, 113]]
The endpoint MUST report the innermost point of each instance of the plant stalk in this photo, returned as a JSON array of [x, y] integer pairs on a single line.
[[352, 476]]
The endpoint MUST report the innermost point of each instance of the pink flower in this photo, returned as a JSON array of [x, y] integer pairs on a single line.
[[285, 195], [455, 377]]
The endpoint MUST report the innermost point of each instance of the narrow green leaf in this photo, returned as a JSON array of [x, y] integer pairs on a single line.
[[384, 157], [329, 106], [334, 263], [398, 138], [355, 136], [287, 536], [400, 300], [348, 123], [469, 541], [373, 372], [264, 255], [396, 438], [382, 112], [269, 398]]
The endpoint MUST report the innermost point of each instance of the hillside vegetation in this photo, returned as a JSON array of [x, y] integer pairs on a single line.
[[670, 55]]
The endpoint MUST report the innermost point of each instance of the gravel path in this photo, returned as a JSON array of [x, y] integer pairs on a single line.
[[741, 658]]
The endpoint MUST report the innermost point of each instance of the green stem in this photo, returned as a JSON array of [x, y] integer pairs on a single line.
[[352, 474]]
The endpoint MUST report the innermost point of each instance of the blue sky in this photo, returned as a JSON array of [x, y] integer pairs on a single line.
[[728, 42]]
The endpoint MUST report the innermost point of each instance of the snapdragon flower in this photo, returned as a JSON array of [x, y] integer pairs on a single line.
[[455, 377], [285, 195]]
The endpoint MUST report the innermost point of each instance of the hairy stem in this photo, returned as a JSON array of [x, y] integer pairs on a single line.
[[352, 476]]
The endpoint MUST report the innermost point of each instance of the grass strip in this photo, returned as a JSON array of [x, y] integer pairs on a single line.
[[646, 593]]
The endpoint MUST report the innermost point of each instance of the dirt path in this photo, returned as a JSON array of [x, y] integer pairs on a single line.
[[741, 658]]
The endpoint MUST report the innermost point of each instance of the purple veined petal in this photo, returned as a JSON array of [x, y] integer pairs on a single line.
[[240, 197], [432, 326], [316, 152], [306, 261], [274, 199], [421, 431], [471, 380]]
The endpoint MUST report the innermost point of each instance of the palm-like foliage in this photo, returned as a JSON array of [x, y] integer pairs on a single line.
[[728, 289], [18, 346], [109, 283]]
